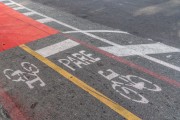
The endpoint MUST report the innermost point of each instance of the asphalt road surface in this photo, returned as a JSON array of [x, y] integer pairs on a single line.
[[155, 19], [81, 60]]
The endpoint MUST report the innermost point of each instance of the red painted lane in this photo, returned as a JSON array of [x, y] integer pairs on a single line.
[[17, 29], [126, 62]]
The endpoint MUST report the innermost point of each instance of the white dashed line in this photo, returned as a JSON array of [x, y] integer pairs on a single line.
[[45, 20], [56, 48], [29, 13], [18, 8]]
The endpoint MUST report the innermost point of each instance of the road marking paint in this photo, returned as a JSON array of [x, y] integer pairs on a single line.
[[119, 59], [56, 48], [124, 85], [154, 48], [24, 28], [98, 31], [113, 105], [133, 51], [18, 8], [9, 3], [29, 13], [45, 20], [162, 63], [126, 62], [3, 0], [78, 60], [123, 51], [112, 43], [28, 69]]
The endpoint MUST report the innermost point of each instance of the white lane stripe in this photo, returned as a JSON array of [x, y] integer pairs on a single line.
[[155, 48], [56, 48], [99, 38], [29, 13], [18, 8], [45, 20], [99, 31], [162, 62]]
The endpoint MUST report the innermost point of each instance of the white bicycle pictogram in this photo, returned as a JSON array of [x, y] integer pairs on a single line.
[[127, 85], [29, 75]]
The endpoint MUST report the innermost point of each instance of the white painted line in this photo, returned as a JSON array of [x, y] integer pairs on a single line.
[[119, 51], [128, 50], [29, 13], [162, 62], [56, 48], [9, 3], [45, 20], [103, 39], [19, 8], [98, 31], [3, 0]]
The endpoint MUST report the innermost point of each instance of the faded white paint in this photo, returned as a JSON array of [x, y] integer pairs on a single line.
[[45, 20], [99, 31], [124, 84], [128, 50], [48, 19], [19, 8], [56, 48], [29, 75], [29, 13], [78, 60]]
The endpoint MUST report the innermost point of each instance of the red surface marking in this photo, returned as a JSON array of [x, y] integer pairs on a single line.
[[11, 107], [17, 29], [124, 61]]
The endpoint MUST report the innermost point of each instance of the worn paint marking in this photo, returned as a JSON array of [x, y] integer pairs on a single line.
[[56, 48], [128, 50], [87, 32], [107, 101]]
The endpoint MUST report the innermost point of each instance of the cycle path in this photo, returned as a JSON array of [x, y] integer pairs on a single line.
[[156, 107]]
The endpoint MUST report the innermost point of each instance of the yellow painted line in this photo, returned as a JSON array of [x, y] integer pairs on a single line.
[[107, 101]]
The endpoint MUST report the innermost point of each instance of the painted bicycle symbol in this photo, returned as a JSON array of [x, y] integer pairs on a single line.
[[29, 75], [127, 86]]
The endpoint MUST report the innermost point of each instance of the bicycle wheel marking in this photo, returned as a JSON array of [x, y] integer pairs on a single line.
[[113, 105], [29, 75], [80, 60], [126, 85]]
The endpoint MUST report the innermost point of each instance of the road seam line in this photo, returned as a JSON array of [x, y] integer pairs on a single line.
[[107, 101]]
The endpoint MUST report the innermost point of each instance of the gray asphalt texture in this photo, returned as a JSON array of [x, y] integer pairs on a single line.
[[155, 19], [62, 100]]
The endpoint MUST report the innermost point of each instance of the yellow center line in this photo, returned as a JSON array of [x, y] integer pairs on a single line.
[[107, 101]]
